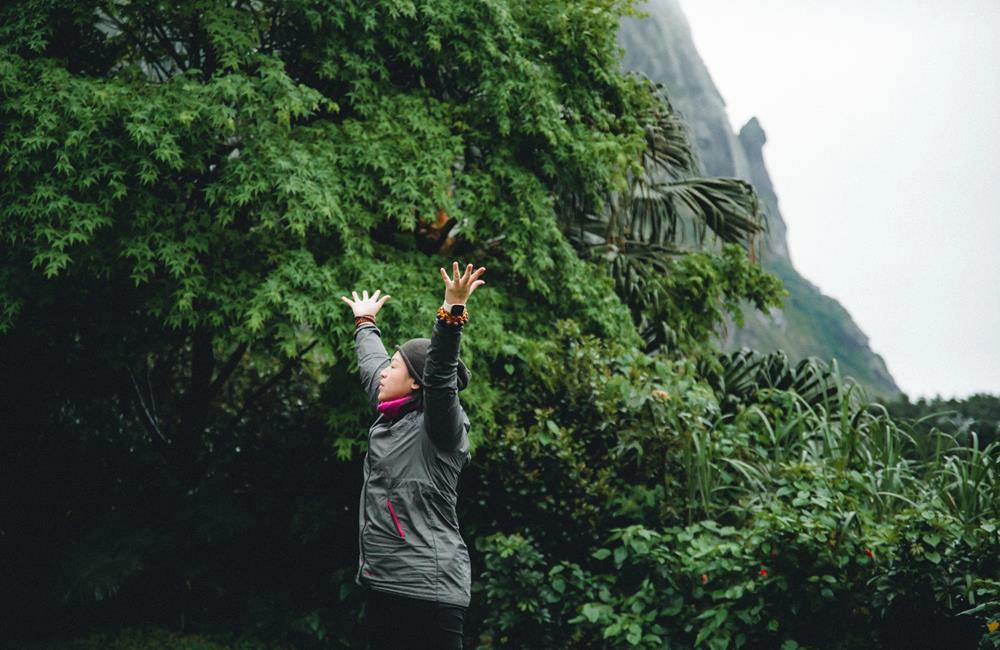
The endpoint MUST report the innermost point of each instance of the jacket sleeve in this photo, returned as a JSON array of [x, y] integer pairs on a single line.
[[372, 358], [443, 413]]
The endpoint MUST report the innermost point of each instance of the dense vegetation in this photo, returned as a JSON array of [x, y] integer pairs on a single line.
[[974, 420], [189, 187]]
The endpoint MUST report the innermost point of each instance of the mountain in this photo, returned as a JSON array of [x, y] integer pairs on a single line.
[[811, 324]]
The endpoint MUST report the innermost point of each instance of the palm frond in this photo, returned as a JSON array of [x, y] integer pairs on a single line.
[[747, 371], [728, 207], [669, 148]]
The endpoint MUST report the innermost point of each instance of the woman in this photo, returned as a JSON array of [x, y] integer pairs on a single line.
[[412, 559]]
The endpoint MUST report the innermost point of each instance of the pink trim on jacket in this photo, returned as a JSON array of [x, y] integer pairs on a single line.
[[393, 513]]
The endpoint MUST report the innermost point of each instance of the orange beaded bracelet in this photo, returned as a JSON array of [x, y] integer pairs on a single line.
[[448, 319]]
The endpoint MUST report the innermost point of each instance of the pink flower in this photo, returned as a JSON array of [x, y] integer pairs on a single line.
[[763, 572], [869, 553]]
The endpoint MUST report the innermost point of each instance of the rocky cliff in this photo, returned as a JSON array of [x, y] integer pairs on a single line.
[[811, 324]]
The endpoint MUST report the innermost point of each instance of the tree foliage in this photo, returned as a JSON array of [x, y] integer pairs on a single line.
[[215, 175], [187, 190]]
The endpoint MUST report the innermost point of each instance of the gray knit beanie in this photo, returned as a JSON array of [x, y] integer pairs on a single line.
[[414, 353]]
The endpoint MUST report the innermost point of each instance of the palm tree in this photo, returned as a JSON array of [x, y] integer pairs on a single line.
[[638, 230]]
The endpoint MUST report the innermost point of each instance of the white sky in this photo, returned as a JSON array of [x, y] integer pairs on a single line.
[[883, 126]]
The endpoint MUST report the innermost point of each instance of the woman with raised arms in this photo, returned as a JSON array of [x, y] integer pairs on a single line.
[[412, 560]]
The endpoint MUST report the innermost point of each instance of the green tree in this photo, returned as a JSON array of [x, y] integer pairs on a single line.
[[199, 181]]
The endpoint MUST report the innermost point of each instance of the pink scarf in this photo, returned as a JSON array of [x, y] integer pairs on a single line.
[[395, 407]]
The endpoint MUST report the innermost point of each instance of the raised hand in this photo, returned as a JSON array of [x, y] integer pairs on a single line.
[[366, 306], [458, 289]]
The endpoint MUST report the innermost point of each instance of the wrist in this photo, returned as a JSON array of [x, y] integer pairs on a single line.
[[449, 316]]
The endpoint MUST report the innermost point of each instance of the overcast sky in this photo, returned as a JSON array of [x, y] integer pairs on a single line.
[[883, 125]]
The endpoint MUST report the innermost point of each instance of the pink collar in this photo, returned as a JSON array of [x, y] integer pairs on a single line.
[[396, 407]]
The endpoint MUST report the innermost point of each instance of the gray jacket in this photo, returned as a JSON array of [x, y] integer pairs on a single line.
[[409, 540]]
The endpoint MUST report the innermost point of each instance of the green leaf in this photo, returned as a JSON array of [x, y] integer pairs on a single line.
[[634, 634]]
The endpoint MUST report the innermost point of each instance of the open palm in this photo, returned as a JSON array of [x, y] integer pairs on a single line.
[[458, 288], [365, 305]]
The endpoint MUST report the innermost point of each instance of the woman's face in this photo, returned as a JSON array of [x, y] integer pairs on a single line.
[[395, 380]]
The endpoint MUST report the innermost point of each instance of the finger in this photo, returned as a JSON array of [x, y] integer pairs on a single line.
[[346, 299], [384, 298], [479, 271], [455, 270], [356, 297], [375, 295], [477, 283], [445, 276], [365, 294], [468, 272]]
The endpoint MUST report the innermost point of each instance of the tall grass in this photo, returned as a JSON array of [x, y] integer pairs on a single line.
[[842, 431]]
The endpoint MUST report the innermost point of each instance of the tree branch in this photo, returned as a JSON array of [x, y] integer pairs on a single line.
[[283, 373], [139, 44], [227, 368], [151, 421], [168, 44]]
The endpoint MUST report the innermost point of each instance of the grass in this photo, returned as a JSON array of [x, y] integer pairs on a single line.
[[152, 638]]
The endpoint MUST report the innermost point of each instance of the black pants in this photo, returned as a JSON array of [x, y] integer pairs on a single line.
[[397, 623]]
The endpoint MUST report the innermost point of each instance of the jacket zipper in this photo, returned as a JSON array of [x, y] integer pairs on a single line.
[[391, 512], [364, 498], [364, 493]]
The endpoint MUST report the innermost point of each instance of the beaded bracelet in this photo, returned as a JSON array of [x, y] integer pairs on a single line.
[[359, 320], [448, 319]]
